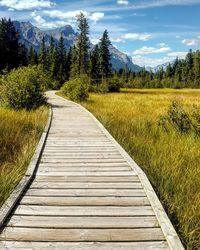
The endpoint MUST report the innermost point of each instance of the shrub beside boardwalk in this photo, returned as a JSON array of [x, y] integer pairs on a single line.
[[22, 122]]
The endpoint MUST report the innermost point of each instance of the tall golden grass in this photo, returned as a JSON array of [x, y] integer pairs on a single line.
[[171, 160], [19, 134]]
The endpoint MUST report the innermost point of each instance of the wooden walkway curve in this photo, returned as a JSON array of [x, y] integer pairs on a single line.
[[87, 193]]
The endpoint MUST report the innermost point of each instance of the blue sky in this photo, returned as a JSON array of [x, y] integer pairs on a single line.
[[152, 32]]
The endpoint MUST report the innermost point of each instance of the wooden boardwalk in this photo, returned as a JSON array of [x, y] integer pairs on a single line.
[[87, 193]]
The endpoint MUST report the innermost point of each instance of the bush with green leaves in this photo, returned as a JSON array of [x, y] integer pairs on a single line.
[[77, 89], [181, 120], [113, 84], [23, 88]]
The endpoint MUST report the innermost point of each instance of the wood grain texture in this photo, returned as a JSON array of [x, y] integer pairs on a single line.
[[85, 201], [83, 222], [81, 235], [150, 245]]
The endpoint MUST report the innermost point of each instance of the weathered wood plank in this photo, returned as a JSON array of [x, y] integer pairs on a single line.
[[88, 173], [83, 222], [83, 185], [85, 192], [64, 160], [78, 156], [85, 164], [83, 169], [85, 201], [61, 178], [84, 210], [149, 245], [79, 235]]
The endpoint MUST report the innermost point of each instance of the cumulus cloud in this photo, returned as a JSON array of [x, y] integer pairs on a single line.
[[135, 36], [179, 54], [132, 37], [151, 50], [94, 40], [96, 16], [191, 42], [40, 22], [148, 61], [123, 2], [26, 5], [71, 15], [153, 62]]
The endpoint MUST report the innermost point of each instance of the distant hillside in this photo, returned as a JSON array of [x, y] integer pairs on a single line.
[[32, 36]]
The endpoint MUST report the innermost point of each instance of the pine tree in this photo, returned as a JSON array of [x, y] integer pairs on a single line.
[[95, 65], [68, 63], [169, 71], [55, 63], [197, 68], [12, 52], [62, 61], [82, 45], [189, 64], [42, 55], [32, 56], [105, 57], [74, 65]]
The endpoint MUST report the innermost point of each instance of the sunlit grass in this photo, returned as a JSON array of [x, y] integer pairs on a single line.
[[19, 134], [170, 160]]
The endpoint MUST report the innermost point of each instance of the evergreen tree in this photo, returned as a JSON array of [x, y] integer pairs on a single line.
[[32, 56], [62, 61], [189, 65], [55, 63], [95, 65], [42, 55], [82, 45], [74, 65], [68, 63], [106, 67], [12, 52], [197, 68]]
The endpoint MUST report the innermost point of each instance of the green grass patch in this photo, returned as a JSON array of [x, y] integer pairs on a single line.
[[170, 159], [20, 132]]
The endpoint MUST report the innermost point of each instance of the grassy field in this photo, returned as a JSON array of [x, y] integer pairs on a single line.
[[19, 135], [171, 160]]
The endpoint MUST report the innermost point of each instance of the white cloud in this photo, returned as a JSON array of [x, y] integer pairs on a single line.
[[40, 22], [135, 36], [161, 3], [162, 45], [96, 16], [117, 40], [123, 2], [179, 54], [26, 5], [94, 40], [71, 15], [132, 37], [153, 62], [149, 62], [191, 42], [151, 50]]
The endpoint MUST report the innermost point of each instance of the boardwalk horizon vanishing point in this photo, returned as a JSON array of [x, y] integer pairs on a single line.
[[87, 193]]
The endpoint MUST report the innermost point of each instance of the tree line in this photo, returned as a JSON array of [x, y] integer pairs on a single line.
[[182, 73], [83, 58]]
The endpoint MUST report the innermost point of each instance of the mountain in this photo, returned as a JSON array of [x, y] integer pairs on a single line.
[[121, 60], [32, 36], [159, 67]]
